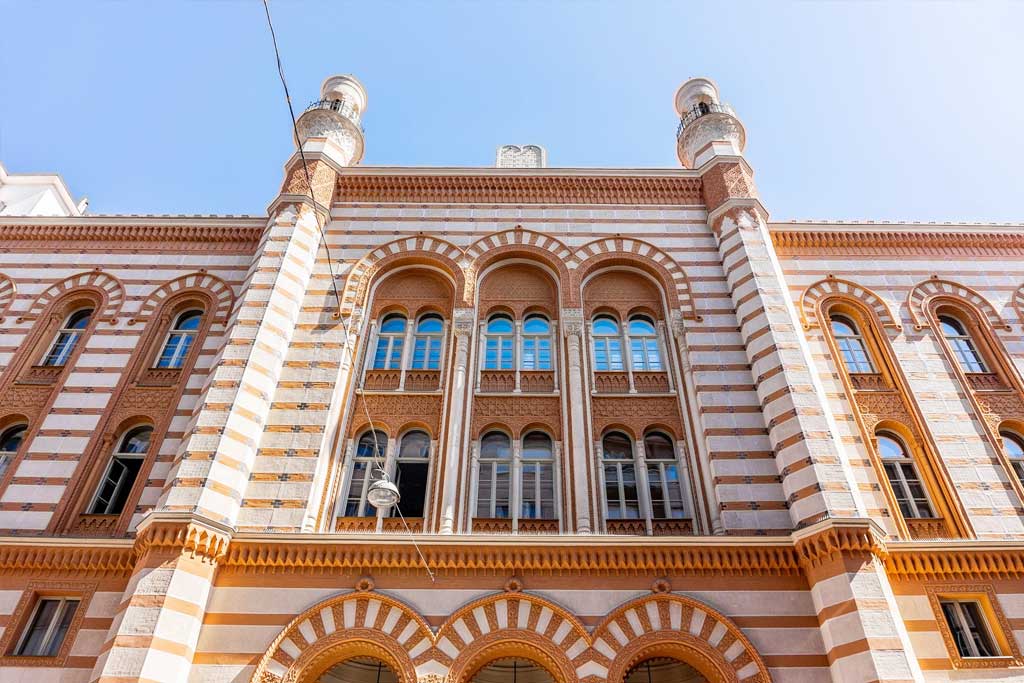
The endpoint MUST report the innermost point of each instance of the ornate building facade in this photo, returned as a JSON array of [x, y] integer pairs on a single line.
[[638, 432]]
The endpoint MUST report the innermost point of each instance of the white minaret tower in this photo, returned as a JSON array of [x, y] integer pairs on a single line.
[[707, 126], [331, 125]]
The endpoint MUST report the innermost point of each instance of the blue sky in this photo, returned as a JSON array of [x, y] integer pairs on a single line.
[[901, 111]]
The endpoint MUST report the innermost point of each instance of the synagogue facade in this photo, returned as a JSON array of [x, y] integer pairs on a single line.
[[518, 424]]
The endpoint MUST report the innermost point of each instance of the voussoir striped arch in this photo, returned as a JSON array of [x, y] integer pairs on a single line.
[[412, 248], [109, 287], [519, 236], [8, 290], [361, 623], [1018, 303], [592, 254], [823, 289], [924, 292], [665, 623], [511, 624], [218, 290]]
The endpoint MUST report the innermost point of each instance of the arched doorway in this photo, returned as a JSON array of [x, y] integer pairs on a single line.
[[663, 670], [512, 670], [359, 670]]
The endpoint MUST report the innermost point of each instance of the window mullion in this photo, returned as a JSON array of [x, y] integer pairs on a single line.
[[517, 354], [627, 352]]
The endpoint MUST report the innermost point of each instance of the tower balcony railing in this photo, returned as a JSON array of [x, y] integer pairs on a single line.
[[702, 109], [343, 107]]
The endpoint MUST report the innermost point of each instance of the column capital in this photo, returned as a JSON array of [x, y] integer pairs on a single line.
[[572, 322], [462, 321]]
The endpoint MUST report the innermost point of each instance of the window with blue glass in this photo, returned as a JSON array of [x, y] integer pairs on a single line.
[[643, 345], [68, 337], [607, 339], [494, 482], [499, 344], [180, 339], [390, 339], [426, 353], [536, 352]]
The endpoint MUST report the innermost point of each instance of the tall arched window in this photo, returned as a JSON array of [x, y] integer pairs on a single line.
[[369, 457], [621, 494], [963, 346], [67, 337], [643, 342], [412, 468], [122, 471], [607, 344], [390, 339], [851, 345], [663, 478], [426, 352], [903, 476], [538, 477], [498, 348], [1013, 444], [10, 442], [536, 352], [179, 339], [494, 490]]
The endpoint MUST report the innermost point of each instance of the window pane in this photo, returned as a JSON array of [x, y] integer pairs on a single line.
[[430, 324], [393, 324], [499, 325], [10, 440], [605, 326], [67, 613], [617, 446], [639, 327], [979, 633], [33, 643], [415, 445], [536, 325], [960, 637], [411, 480]]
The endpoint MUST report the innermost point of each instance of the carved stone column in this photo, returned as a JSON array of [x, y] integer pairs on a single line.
[[572, 328], [462, 328]]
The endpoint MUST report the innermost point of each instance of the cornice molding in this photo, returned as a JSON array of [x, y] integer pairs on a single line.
[[52, 555], [520, 188], [955, 562], [893, 239], [134, 232]]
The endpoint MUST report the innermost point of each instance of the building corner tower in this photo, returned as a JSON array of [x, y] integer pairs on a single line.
[[181, 542]]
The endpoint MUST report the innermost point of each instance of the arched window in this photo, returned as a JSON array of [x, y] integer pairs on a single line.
[[498, 348], [122, 471], [851, 345], [426, 350], [963, 346], [663, 479], [67, 337], [10, 442], [621, 495], [607, 344], [370, 456], [538, 477], [643, 342], [390, 339], [1013, 444], [903, 476], [494, 490], [179, 340], [412, 467], [536, 352]]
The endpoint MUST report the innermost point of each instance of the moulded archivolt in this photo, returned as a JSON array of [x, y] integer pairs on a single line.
[[832, 286], [922, 293]]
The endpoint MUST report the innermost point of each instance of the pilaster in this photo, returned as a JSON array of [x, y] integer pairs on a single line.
[[462, 329], [572, 328]]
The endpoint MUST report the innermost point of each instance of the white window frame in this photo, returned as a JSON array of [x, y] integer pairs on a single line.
[[1016, 462], [962, 346], [640, 483], [115, 458], [522, 465], [178, 357], [398, 459], [904, 484], [480, 460], [604, 342], [430, 339], [959, 609], [666, 487], [58, 615], [390, 338], [7, 456], [850, 345], [500, 339], [371, 467], [74, 336], [537, 340], [649, 344]]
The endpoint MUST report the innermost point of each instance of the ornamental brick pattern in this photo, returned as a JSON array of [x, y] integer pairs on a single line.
[[751, 529]]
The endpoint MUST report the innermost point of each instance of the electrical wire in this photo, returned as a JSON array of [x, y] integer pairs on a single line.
[[347, 322]]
